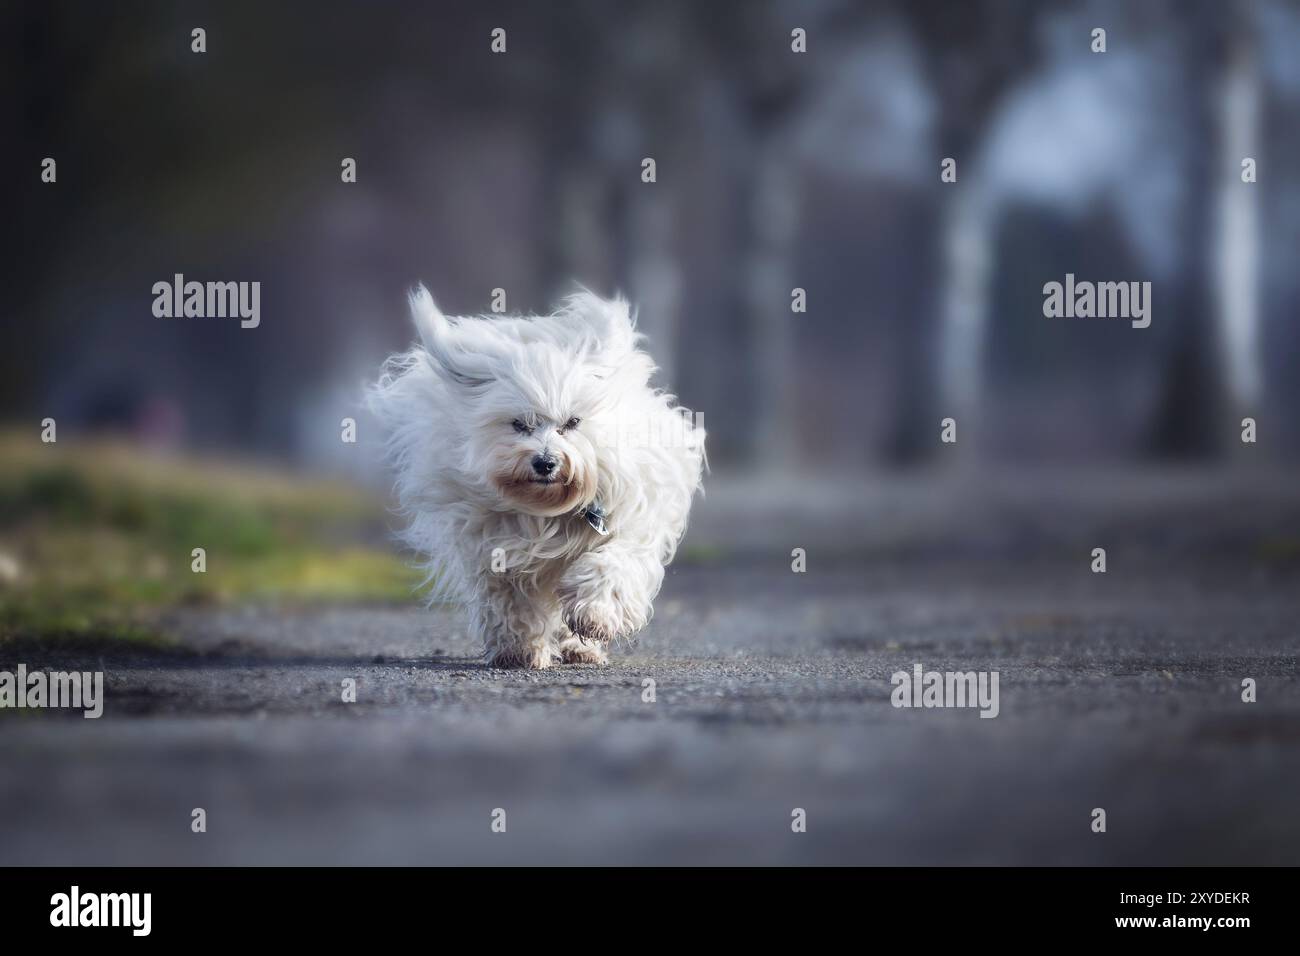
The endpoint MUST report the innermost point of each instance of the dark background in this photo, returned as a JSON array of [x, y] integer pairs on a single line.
[[775, 170]]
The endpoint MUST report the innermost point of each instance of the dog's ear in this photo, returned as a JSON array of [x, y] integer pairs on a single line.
[[449, 359], [607, 323]]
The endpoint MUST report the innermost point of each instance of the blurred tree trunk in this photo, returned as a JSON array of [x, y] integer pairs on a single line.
[[969, 227], [973, 54], [774, 85], [1191, 420], [641, 116], [1237, 273], [578, 175], [772, 205]]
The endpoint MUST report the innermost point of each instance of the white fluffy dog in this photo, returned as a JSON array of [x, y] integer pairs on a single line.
[[546, 484]]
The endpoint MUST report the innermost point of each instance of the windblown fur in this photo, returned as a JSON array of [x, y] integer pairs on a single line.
[[505, 433]]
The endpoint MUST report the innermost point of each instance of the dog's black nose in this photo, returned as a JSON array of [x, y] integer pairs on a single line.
[[544, 465]]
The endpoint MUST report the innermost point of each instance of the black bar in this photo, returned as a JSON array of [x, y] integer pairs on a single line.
[[330, 906]]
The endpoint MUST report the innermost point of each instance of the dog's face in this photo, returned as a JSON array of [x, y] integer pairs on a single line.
[[528, 397], [540, 460]]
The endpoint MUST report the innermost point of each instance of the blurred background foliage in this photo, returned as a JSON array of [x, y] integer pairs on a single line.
[[776, 170]]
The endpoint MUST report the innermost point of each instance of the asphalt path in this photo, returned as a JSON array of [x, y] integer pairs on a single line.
[[756, 693]]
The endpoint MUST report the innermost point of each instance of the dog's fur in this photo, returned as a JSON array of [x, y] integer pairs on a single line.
[[468, 411]]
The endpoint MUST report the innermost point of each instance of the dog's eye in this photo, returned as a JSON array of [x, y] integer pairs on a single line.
[[520, 427], [571, 423]]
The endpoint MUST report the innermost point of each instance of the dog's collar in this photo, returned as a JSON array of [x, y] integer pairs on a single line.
[[594, 514]]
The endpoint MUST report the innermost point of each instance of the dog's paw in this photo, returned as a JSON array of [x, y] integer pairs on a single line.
[[600, 621], [574, 650], [531, 658], [598, 599]]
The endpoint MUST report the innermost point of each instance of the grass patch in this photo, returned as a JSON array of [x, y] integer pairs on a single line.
[[701, 554], [98, 538]]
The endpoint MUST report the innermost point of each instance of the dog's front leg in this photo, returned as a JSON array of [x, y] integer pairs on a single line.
[[515, 627], [608, 593]]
